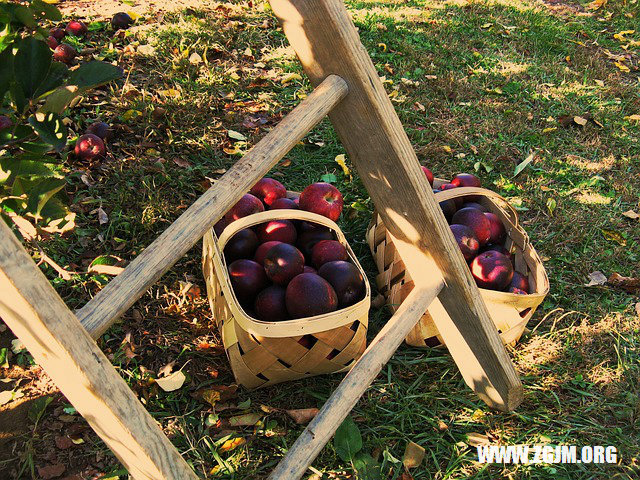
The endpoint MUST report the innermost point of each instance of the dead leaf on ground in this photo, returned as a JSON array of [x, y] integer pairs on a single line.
[[596, 278], [285, 163], [167, 369], [596, 4], [474, 439], [413, 455], [217, 393], [629, 284], [232, 444], [638, 309], [102, 216], [631, 214], [64, 442], [105, 269], [635, 118], [255, 121], [614, 236], [302, 416], [246, 420], [51, 471], [181, 162], [172, 382]]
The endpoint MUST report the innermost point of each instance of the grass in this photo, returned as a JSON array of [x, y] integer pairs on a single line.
[[477, 85]]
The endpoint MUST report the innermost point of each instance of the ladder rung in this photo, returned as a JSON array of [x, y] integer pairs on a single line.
[[353, 386], [125, 289]]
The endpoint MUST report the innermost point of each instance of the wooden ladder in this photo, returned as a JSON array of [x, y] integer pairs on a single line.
[[349, 91]]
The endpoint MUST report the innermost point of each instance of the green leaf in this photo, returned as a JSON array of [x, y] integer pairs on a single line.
[[19, 100], [46, 10], [347, 440], [366, 467], [31, 65], [54, 79], [38, 408], [50, 129], [236, 135], [94, 74], [329, 178], [54, 209], [10, 168], [6, 38], [20, 14], [4, 357], [41, 192], [21, 133]]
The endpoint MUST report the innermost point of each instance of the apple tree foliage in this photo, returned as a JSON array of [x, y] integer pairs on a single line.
[[35, 93]]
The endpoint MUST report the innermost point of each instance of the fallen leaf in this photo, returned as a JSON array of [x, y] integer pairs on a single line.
[[417, 106], [629, 284], [596, 278], [341, 160], [246, 420], [549, 129], [51, 471], [614, 236], [17, 346], [9, 396], [631, 214], [447, 148], [217, 393], [302, 416], [285, 163], [236, 135], [600, 83], [146, 50], [105, 270], [231, 444], [596, 4], [383, 46], [406, 476], [102, 216], [580, 120], [487, 25], [622, 67], [431, 77], [63, 442], [633, 118], [638, 309], [172, 382], [181, 162], [474, 439], [413, 455], [620, 36], [167, 369], [522, 165], [551, 206], [131, 115], [442, 426], [195, 59], [289, 77]]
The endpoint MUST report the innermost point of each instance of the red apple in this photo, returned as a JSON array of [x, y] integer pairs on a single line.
[[268, 190], [477, 205], [346, 280], [247, 279], [497, 228], [448, 186], [517, 291], [308, 295], [270, 304], [121, 20], [284, 203], [323, 199], [308, 269], [327, 251], [466, 240], [57, 33], [492, 270], [263, 249], [243, 244], [308, 238], [64, 53], [428, 174], [76, 28], [247, 205], [280, 230], [52, 42], [102, 130], [282, 262], [519, 281], [89, 147], [476, 220], [221, 225], [466, 180]]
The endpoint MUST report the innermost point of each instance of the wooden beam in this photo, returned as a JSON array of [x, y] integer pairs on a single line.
[[124, 290], [37, 315], [326, 43], [309, 444]]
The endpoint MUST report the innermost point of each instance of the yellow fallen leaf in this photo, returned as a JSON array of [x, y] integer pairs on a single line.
[[614, 236], [231, 444], [172, 382], [341, 160], [170, 92], [447, 148], [487, 25], [413, 455], [596, 4], [580, 120], [131, 115], [549, 129], [134, 16], [600, 83], [633, 118], [631, 214], [289, 77], [622, 67], [620, 35], [383, 46]]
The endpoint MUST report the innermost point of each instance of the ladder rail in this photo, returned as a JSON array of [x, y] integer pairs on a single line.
[[123, 291]]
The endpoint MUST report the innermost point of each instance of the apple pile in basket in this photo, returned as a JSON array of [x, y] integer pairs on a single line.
[[481, 237], [287, 269]]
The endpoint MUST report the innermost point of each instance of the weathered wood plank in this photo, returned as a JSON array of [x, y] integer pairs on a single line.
[[124, 290], [326, 43], [306, 448], [37, 315]]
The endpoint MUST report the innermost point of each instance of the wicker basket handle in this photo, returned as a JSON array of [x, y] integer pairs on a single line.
[[278, 214], [464, 191]]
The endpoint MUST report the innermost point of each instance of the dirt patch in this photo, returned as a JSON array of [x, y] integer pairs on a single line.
[[106, 8]]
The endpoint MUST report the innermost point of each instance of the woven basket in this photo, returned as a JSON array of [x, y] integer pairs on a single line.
[[264, 353], [510, 312]]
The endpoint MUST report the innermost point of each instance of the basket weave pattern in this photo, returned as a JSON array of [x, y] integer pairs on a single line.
[[509, 312], [266, 353]]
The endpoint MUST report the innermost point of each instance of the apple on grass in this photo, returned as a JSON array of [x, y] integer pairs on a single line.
[[64, 53], [121, 20], [76, 28], [57, 33], [89, 147], [102, 130], [52, 42], [322, 198]]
